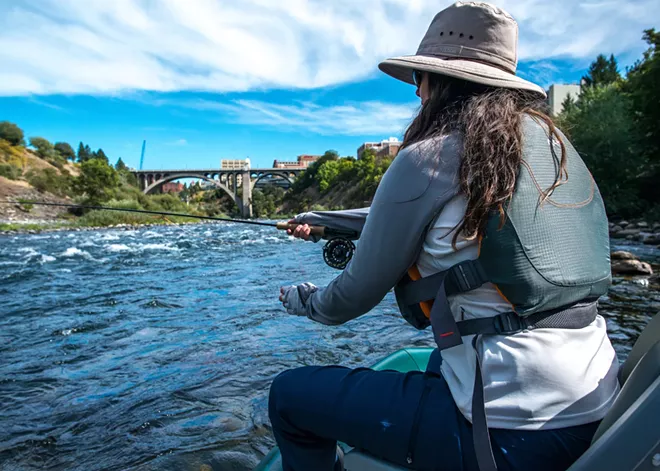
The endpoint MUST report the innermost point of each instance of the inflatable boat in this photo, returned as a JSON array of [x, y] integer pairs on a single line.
[[628, 438]]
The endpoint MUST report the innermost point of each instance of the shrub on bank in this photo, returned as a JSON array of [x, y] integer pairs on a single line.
[[10, 171], [48, 180]]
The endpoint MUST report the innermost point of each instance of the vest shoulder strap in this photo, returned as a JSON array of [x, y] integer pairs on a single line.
[[460, 278]]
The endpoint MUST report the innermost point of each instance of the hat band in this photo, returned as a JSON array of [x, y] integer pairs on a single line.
[[451, 51]]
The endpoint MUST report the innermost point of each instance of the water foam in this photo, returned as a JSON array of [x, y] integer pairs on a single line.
[[157, 247], [118, 248]]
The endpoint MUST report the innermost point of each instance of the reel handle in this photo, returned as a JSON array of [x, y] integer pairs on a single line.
[[314, 230]]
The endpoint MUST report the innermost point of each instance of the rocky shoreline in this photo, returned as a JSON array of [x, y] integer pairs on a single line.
[[640, 231]]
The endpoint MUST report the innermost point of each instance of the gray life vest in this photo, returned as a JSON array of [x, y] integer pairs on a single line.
[[550, 261]]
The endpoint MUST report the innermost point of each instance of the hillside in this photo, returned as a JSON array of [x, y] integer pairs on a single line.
[[26, 170]]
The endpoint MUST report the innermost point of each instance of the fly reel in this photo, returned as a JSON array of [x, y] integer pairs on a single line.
[[338, 251]]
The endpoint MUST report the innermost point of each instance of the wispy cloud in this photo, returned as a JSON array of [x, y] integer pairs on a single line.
[[179, 142], [45, 104], [350, 119], [108, 47]]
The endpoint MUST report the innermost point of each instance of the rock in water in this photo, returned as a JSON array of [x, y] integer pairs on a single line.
[[622, 255], [631, 267], [626, 232], [651, 239]]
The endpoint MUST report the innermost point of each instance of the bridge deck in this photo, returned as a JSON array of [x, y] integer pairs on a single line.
[[216, 170]]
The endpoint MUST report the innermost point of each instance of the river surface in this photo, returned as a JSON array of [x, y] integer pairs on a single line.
[[154, 349]]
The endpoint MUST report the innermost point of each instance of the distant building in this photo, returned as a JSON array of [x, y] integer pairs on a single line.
[[303, 161], [386, 148], [234, 164], [306, 160], [558, 93], [172, 187]]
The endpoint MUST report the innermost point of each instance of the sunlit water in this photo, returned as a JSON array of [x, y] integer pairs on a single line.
[[155, 348]]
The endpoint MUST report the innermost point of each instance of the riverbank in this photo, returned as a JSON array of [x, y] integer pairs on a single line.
[[45, 226], [38, 228]]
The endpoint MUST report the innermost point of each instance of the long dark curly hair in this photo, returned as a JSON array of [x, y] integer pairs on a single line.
[[489, 120]]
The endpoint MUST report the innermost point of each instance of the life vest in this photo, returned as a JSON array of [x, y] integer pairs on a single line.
[[550, 261], [546, 257]]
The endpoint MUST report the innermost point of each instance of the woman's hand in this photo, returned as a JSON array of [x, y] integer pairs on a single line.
[[300, 232], [294, 298]]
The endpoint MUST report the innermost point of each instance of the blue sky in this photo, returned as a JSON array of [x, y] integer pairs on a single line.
[[203, 80]]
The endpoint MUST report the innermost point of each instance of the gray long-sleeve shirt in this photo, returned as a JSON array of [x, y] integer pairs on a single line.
[[420, 181]]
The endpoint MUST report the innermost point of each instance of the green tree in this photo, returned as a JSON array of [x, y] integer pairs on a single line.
[[11, 133], [84, 153], [97, 181], [43, 147], [120, 165], [643, 88], [266, 200], [65, 150], [99, 154], [602, 71], [308, 178], [603, 131], [327, 174], [569, 104]]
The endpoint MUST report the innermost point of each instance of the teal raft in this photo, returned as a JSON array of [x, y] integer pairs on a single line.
[[628, 439]]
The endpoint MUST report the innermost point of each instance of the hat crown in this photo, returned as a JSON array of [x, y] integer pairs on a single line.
[[473, 31]]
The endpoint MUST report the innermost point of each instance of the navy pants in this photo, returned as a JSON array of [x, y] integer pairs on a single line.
[[406, 418]]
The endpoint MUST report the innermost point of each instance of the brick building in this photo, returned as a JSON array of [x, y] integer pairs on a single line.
[[303, 161], [172, 187], [386, 148]]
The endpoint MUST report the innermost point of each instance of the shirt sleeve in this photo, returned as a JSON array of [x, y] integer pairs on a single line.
[[351, 220], [420, 181]]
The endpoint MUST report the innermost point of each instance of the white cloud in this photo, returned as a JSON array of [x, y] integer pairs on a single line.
[[114, 46], [179, 142], [349, 119]]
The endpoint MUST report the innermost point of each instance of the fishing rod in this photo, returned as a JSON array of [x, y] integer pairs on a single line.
[[337, 252]]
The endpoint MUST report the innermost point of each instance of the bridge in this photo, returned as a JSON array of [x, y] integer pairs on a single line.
[[227, 180]]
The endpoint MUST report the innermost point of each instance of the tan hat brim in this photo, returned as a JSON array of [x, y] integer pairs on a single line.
[[402, 67]]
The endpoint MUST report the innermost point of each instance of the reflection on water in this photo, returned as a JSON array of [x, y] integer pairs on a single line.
[[154, 348]]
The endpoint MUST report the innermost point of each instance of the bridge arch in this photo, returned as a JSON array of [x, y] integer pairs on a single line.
[[261, 175], [176, 176]]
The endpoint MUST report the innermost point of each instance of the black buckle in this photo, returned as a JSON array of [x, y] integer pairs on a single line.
[[467, 275], [509, 323]]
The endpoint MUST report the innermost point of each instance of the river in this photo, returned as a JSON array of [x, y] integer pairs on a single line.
[[154, 348]]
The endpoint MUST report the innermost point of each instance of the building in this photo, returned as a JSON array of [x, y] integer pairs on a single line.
[[386, 148], [285, 164], [306, 160], [558, 93], [303, 161], [172, 187], [234, 164]]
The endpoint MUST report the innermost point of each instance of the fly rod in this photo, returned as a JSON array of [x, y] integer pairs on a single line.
[[337, 252]]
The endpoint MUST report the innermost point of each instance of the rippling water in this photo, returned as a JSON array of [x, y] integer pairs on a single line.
[[154, 348]]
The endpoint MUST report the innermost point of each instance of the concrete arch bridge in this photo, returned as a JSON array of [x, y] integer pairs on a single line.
[[229, 181]]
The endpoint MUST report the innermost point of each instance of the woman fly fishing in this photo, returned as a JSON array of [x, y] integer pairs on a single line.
[[491, 231]]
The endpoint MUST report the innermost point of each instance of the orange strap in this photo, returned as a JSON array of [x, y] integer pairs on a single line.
[[414, 274]]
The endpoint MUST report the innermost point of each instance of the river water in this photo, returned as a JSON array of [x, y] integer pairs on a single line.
[[154, 349]]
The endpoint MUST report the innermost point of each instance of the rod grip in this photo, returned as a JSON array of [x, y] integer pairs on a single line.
[[314, 230]]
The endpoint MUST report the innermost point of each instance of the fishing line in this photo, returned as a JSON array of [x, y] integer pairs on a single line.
[[337, 252], [143, 211]]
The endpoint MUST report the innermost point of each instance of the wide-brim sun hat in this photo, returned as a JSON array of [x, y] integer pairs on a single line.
[[473, 41]]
